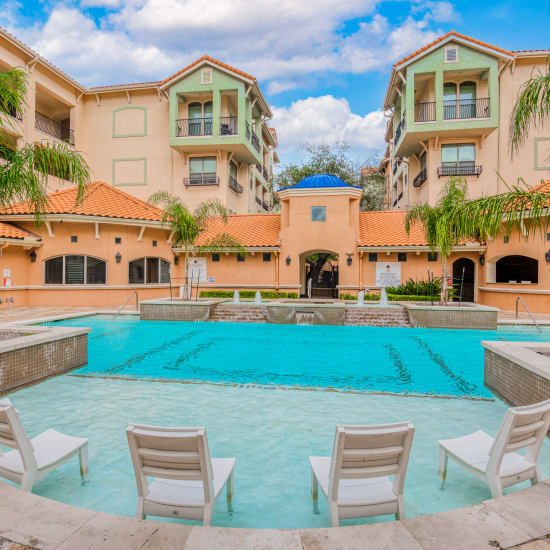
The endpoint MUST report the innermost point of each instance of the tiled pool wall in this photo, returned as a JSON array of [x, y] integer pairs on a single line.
[[453, 317]]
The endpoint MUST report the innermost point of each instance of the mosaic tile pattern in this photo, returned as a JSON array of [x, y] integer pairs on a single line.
[[469, 318]]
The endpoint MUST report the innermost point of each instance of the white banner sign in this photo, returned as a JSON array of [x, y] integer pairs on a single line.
[[197, 270], [388, 273]]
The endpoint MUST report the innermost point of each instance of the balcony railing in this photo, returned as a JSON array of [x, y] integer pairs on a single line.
[[228, 126], [400, 129], [464, 168], [186, 127], [395, 202], [424, 112], [247, 129], [235, 185], [420, 178], [265, 173], [258, 200], [53, 128], [11, 111], [466, 108], [396, 166], [400, 196], [265, 206], [207, 178], [255, 141]]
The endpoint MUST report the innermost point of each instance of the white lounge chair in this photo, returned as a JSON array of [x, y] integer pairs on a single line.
[[186, 481], [355, 480], [494, 460], [31, 460]]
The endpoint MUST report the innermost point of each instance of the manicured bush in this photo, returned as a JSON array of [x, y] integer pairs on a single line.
[[393, 297], [266, 294], [416, 288]]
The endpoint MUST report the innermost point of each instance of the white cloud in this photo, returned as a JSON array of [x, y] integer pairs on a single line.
[[440, 11], [327, 119], [109, 4]]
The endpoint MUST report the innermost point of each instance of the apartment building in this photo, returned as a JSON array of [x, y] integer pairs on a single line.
[[448, 106], [203, 132]]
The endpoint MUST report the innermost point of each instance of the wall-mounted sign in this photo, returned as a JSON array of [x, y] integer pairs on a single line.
[[388, 273], [7, 273], [197, 270]]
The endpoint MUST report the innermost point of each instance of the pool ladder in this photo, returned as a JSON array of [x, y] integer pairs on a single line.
[[126, 303], [520, 299]]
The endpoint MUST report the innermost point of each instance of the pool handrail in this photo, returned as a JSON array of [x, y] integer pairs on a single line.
[[520, 299], [126, 303]]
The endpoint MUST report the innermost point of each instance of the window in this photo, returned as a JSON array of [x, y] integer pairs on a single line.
[[548, 236], [517, 269], [75, 269], [449, 100], [118, 240], [458, 159], [401, 256], [451, 54], [215, 257], [266, 257], [432, 256], [373, 256], [506, 239], [148, 271], [202, 170], [423, 161], [155, 243], [240, 258], [318, 213], [74, 239]]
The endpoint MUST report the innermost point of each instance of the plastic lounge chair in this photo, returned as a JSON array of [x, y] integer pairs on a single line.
[[494, 460], [33, 459], [355, 480], [186, 481]]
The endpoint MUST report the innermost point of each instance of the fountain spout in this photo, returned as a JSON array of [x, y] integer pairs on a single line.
[[383, 297], [258, 297], [236, 297]]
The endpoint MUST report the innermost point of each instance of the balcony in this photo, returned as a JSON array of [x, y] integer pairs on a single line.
[[265, 206], [400, 129], [247, 129], [420, 178], [396, 166], [207, 178], [10, 110], [256, 141], [465, 168], [424, 112], [461, 109], [191, 127], [265, 173], [228, 126], [53, 128], [235, 185], [258, 201]]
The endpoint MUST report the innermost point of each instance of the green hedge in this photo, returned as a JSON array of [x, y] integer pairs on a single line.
[[266, 294], [392, 298]]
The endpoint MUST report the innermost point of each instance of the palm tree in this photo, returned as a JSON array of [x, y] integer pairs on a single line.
[[187, 226], [24, 172], [532, 108]]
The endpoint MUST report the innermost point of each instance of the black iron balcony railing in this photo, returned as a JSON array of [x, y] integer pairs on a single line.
[[235, 185], [228, 126], [424, 112], [186, 127], [466, 108], [255, 141], [420, 178], [265, 173], [396, 166], [53, 128], [465, 168], [265, 206], [247, 129], [400, 129], [400, 196], [395, 202], [206, 178], [11, 111], [258, 200]]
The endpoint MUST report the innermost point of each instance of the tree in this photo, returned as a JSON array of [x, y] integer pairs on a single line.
[[374, 188], [24, 172], [187, 226], [532, 108], [316, 263]]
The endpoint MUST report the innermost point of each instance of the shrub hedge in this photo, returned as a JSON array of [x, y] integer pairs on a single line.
[[267, 294], [392, 297]]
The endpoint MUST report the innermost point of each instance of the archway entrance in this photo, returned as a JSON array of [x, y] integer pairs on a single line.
[[464, 276], [321, 272]]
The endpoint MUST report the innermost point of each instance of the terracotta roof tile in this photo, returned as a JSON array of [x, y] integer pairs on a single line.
[[12, 231], [101, 200], [387, 228], [212, 60], [248, 229], [441, 38]]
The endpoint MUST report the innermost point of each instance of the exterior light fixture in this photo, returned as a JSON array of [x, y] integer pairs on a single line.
[[118, 257], [547, 256], [482, 259], [176, 260], [32, 256], [288, 260], [349, 260]]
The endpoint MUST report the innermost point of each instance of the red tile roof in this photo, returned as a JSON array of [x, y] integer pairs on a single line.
[[441, 38], [212, 60], [12, 231], [101, 200], [247, 229], [387, 228]]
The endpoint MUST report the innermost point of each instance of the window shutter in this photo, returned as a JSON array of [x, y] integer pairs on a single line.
[[74, 270], [96, 271], [54, 271], [451, 55]]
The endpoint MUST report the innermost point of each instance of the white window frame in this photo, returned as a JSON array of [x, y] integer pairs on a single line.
[[447, 48], [85, 270], [145, 258]]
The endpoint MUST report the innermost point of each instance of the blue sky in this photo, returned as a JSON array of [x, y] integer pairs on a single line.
[[323, 64]]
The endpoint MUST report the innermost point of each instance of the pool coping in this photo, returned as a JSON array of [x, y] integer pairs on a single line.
[[511, 520]]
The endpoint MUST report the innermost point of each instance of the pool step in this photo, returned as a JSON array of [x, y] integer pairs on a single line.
[[377, 317], [232, 313]]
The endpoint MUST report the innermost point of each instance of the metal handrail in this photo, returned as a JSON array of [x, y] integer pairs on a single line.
[[520, 299], [126, 303]]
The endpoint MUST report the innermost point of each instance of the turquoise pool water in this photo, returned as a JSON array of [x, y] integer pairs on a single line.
[[270, 430]]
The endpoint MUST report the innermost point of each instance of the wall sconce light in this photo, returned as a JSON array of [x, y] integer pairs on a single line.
[[32, 256], [176, 260], [547, 256], [349, 260], [288, 260], [482, 259], [118, 257]]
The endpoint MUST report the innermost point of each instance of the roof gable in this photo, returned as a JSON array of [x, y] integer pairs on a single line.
[[12, 231]]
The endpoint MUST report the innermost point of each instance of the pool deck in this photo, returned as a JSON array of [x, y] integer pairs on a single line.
[[513, 521]]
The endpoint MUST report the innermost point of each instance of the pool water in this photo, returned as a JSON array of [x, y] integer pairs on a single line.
[[270, 430]]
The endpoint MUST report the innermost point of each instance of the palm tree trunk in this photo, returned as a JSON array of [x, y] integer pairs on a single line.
[[187, 288], [444, 286]]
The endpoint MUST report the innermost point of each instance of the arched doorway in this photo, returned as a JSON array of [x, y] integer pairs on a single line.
[[464, 271], [321, 268]]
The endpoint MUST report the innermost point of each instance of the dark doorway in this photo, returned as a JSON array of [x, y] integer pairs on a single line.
[[517, 269], [463, 276], [322, 271]]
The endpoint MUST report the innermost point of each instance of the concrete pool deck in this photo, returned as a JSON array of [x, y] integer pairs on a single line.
[[512, 521]]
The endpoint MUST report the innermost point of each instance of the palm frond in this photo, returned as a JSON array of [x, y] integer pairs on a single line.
[[13, 90], [225, 242]]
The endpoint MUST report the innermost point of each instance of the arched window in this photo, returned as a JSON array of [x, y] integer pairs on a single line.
[[194, 111], [207, 113], [73, 269], [148, 271], [517, 269], [449, 100], [467, 99]]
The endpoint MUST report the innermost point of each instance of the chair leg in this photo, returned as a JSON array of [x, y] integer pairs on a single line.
[[496, 486], [83, 459], [334, 519], [207, 517], [229, 491], [27, 481], [442, 466], [537, 478], [140, 514], [400, 515], [315, 492]]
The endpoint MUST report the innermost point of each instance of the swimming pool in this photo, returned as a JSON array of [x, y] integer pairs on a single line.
[[271, 431]]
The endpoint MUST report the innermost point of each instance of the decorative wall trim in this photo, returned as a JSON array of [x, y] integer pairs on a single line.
[[144, 182], [536, 166], [140, 134]]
